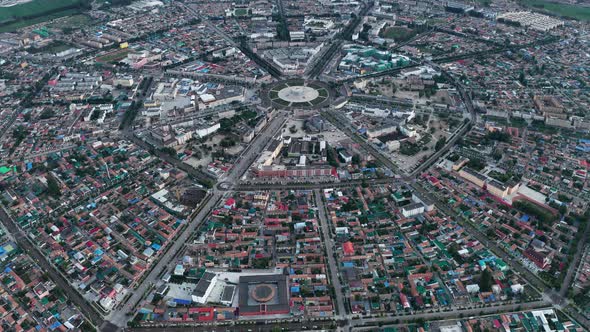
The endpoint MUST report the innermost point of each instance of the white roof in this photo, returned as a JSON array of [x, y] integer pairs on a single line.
[[207, 97]]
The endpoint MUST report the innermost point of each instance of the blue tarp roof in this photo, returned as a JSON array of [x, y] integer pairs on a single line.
[[183, 301], [54, 326]]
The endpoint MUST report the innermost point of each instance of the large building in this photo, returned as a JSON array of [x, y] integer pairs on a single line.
[[221, 96], [204, 287], [281, 171], [550, 107], [412, 209], [263, 295], [477, 178], [500, 189], [493, 186]]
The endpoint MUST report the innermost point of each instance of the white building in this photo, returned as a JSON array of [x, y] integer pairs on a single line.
[[412, 209], [296, 35], [204, 288], [516, 288], [207, 129], [473, 288], [393, 145], [124, 81]]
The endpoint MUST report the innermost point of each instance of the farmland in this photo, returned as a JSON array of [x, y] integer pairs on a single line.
[[573, 11], [38, 11]]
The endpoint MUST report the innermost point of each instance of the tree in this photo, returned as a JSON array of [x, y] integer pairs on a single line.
[[53, 187], [522, 78], [486, 281], [168, 150], [356, 159], [440, 143]]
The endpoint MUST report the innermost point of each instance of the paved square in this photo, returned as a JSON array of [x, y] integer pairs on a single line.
[[298, 94]]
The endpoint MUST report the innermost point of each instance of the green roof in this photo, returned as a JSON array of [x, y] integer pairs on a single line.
[[4, 169]]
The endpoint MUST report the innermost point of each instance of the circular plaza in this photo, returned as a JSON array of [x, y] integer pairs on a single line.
[[299, 94]]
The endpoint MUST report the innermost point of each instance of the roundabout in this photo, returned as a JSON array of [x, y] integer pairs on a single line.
[[299, 94]]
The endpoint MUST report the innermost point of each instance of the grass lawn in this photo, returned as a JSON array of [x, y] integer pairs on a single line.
[[399, 34], [281, 102], [578, 12], [241, 12], [317, 101]]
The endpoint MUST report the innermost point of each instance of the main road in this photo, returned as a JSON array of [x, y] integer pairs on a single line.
[[358, 323], [369, 324]]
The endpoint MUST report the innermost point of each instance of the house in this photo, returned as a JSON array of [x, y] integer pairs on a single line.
[[230, 203]]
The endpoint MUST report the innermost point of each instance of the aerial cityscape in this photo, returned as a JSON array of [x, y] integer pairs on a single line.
[[282, 165]]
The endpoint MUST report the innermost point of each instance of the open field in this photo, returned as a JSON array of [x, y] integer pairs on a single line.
[[578, 12], [72, 22]]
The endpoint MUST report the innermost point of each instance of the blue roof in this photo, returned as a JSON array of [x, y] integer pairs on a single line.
[[183, 301], [525, 218], [54, 326]]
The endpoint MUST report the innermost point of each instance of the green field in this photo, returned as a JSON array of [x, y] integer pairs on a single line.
[[572, 11], [240, 12], [38, 11], [54, 47], [113, 57], [35, 7], [27, 22]]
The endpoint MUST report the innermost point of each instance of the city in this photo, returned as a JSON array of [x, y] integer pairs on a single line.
[[279, 165]]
